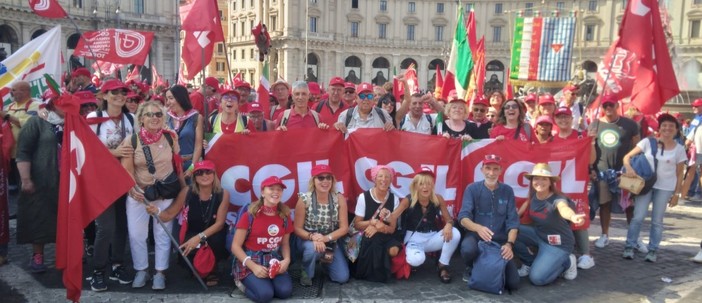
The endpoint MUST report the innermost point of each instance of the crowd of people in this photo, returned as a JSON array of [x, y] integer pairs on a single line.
[[159, 135]]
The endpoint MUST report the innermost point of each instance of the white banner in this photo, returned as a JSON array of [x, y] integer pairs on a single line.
[[36, 58]]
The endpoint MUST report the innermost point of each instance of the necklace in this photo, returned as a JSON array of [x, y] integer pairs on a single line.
[[206, 215], [375, 198]]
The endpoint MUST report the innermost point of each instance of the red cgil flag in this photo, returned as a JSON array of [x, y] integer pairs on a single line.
[[438, 83], [120, 46], [85, 191], [638, 65], [203, 28], [48, 9]]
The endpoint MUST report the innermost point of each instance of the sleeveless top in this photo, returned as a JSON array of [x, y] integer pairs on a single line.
[[413, 215], [186, 138], [371, 206], [321, 218], [201, 214]]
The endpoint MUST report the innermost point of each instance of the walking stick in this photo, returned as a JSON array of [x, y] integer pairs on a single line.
[[175, 243]]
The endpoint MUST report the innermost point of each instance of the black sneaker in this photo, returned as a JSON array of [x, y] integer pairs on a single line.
[[89, 250], [466, 273], [97, 282], [121, 275]]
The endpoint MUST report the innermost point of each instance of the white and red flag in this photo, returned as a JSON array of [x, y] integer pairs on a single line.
[[48, 9], [121, 46], [85, 191], [203, 29], [638, 63]]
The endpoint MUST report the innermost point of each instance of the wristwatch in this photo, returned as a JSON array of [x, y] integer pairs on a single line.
[[330, 238], [203, 237]]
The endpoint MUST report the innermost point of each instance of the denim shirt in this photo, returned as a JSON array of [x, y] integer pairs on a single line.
[[495, 210]]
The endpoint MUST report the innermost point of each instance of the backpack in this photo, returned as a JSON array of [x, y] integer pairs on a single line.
[[488, 269], [643, 168], [130, 118], [165, 134], [244, 211], [286, 116], [349, 115]]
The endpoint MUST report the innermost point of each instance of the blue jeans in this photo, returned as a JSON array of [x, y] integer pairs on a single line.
[[660, 200], [338, 269], [550, 261], [263, 290]]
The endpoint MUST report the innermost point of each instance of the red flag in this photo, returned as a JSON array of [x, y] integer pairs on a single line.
[[156, 78], [411, 78], [203, 29], [106, 68], [509, 90], [115, 45], [85, 191], [638, 64], [479, 67], [398, 89], [471, 32], [134, 74], [48, 8], [438, 83]]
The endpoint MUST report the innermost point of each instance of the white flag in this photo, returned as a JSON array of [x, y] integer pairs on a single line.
[[36, 58]]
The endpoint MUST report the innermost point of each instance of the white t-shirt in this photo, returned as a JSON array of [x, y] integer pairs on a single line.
[[111, 132], [361, 204], [423, 127], [666, 176]]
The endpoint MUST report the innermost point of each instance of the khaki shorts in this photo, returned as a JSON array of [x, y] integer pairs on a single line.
[[605, 195]]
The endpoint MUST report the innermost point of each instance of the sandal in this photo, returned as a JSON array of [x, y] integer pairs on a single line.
[[444, 274], [212, 280]]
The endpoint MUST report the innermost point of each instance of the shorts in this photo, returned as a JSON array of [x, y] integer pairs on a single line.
[[605, 196]]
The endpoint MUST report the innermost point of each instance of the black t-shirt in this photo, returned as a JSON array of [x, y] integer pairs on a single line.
[[614, 140], [550, 226], [480, 132], [457, 134]]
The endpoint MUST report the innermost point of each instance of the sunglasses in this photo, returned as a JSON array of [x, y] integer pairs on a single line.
[[203, 172], [493, 158], [368, 96], [606, 105], [480, 110], [512, 106], [122, 92], [349, 93], [325, 178], [154, 114], [132, 101]]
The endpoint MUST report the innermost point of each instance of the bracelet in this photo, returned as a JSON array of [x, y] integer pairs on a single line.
[[245, 259], [158, 213]]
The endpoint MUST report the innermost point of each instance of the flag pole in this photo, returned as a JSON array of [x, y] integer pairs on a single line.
[[81, 34], [177, 40], [205, 104]]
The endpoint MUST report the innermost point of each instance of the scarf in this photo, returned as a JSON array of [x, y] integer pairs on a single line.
[[178, 120], [148, 137]]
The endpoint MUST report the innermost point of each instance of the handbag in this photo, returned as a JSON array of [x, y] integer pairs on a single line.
[[399, 265], [168, 188], [353, 240], [204, 261], [632, 184], [643, 168]]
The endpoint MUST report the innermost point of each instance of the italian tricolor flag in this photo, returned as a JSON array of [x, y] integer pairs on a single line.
[[542, 48], [460, 63]]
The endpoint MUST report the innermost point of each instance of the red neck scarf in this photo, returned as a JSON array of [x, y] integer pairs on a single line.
[[148, 137]]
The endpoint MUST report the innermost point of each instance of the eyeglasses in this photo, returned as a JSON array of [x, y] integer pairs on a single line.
[[132, 101], [512, 106], [154, 114], [228, 98], [122, 92], [480, 110], [493, 158], [368, 96], [203, 172], [325, 178]]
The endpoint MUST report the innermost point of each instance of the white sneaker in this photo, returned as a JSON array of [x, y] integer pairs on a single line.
[[641, 247], [140, 279], [586, 262], [602, 241], [524, 270], [572, 272], [698, 257]]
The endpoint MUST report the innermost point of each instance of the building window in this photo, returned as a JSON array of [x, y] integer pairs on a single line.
[[220, 48], [242, 29], [234, 55], [313, 24], [383, 5], [382, 31], [498, 8], [529, 8], [243, 53], [439, 32], [252, 53], [354, 3], [411, 7], [590, 32], [354, 29], [139, 6], [233, 5], [440, 8], [234, 28], [592, 6], [251, 4], [78, 3], [497, 34], [251, 25], [560, 5], [410, 32], [274, 23], [469, 7], [242, 4], [220, 66], [695, 29]]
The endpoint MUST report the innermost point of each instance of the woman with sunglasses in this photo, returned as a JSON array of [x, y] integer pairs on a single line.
[[114, 125], [151, 149], [510, 123], [320, 220], [228, 120], [133, 100], [261, 246], [388, 103], [187, 123], [551, 213], [373, 212], [203, 207]]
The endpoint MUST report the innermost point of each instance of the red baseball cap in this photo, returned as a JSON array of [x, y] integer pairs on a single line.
[[212, 82], [132, 95], [255, 107], [321, 169], [81, 71], [544, 119], [243, 84], [336, 81], [530, 97], [204, 165], [563, 111], [697, 102], [314, 88], [349, 86], [272, 180], [571, 88], [112, 84], [480, 100], [425, 171], [492, 159], [608, 98], [546, 99], [364, 88]]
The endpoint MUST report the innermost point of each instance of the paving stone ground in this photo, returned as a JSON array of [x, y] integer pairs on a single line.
[[613, 279]]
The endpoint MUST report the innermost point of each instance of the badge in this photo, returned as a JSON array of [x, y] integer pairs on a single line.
[[273, 230], [554, 239]]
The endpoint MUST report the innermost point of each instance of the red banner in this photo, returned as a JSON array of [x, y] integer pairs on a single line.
[[48, 9], [115, 46], [569, 161]]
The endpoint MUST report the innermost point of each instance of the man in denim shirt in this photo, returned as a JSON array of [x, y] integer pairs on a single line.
[[488, 213]]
